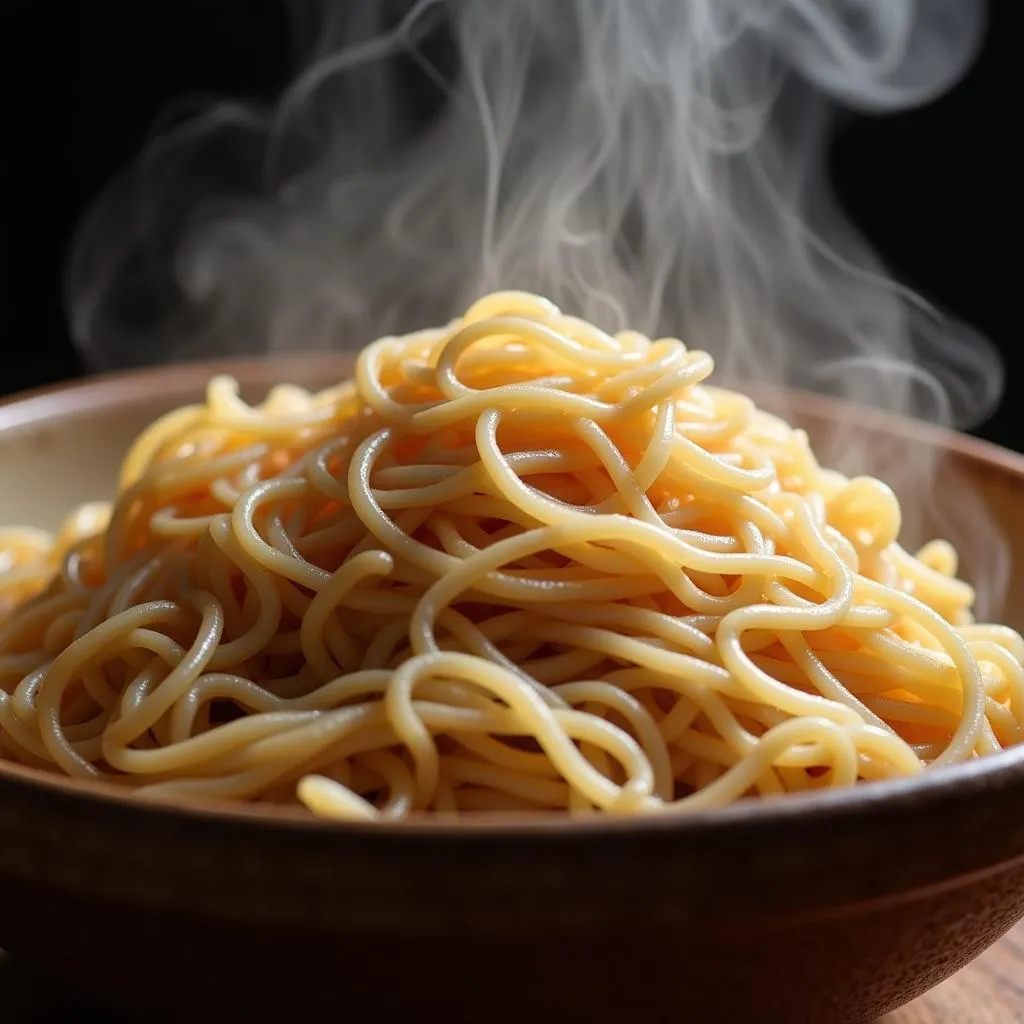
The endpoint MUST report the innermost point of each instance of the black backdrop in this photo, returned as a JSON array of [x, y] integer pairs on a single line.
[[935, 190]]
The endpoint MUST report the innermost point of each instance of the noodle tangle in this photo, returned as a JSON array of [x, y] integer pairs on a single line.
[[515, 564]]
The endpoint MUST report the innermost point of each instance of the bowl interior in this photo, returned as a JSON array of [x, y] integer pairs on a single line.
[[64, 446]]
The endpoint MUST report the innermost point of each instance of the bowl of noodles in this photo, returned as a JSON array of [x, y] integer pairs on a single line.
[[509, 666]]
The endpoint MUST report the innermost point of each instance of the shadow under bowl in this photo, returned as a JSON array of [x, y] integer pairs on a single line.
[[833, 908]]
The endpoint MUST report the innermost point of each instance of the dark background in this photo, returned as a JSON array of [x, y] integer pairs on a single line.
[[85, 81], [935, 190]]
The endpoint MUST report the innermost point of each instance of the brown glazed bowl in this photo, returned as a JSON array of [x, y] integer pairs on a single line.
[[832, 909]]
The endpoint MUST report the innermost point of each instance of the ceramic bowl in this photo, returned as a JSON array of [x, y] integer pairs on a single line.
[[830, 909]]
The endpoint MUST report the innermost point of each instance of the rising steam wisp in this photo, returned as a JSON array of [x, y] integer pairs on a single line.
[[657, 163]]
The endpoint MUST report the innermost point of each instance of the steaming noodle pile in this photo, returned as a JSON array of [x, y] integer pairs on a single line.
[[515, 564]]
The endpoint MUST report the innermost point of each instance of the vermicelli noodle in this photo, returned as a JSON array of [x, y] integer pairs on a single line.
[[516, 564]]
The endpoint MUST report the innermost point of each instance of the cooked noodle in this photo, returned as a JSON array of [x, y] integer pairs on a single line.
[[516, 564]]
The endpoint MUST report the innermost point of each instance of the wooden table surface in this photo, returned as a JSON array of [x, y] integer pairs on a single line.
[[988, 991]]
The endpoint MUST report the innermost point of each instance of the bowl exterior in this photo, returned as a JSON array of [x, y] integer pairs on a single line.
[[843, 965], [819, 918]]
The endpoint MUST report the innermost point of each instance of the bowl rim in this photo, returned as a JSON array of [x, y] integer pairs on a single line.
[[950, 785]]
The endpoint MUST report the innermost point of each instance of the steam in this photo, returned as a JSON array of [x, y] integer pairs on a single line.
[[651, 163]]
